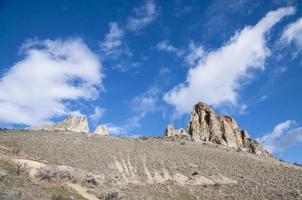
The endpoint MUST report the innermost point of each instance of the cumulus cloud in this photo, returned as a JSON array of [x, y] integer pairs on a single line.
[[217, 78], [293, 34], [97, 114], [143, 16], [283, 136], [51, 74]]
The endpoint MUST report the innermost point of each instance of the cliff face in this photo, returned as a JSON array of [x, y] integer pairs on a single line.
[[72, 124], [206, 125]]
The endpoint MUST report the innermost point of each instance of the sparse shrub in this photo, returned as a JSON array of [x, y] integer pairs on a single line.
[[15, 151], [3, 175], [182, 143], [216, 185], [195, 173], [144, 138], [111, 196], [91, 179], [52, 172], [22, 169], [46, 173]]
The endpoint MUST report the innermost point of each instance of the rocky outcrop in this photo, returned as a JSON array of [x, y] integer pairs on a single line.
[[101, 130], [206, 125], [72, 124], [172, 132]]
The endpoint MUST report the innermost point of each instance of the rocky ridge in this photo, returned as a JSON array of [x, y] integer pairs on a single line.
[[71, 124], [206, 125]]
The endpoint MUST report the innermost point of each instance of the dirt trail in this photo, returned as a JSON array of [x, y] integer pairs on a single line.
[[82, 191]]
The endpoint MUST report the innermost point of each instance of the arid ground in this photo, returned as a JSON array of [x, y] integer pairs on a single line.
[[62, 165]]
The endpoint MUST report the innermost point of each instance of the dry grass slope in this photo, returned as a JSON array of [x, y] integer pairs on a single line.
[[76, 166]]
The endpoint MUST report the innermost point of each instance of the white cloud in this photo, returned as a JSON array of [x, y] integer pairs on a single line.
[[113, 42], [293, 34], [166, 46], [283, 136], [143, 16], [217, 78], [142, 105], [196, 54], [97, 114], [52, 73], [114, 130]]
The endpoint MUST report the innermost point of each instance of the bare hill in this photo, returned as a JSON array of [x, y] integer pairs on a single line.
[[94, 167]]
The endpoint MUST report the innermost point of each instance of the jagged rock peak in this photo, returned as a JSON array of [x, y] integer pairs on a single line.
[[71, 123], [101, 130], [171, 131], [206, 125]]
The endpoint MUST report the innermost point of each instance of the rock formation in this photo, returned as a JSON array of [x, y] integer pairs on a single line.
[[208, 126], [72, 124], [170, 131], [101, 130]]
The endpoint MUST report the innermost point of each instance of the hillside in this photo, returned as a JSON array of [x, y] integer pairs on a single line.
[[65, 165]]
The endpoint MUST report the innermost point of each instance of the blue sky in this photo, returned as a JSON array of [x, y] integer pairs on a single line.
[[138, 65]]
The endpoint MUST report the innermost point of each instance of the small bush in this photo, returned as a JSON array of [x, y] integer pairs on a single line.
[[3, 175], [52, 172], [22, 169], [195, 173], [91, 179], [112, 196], [144, 138], [15, 151]]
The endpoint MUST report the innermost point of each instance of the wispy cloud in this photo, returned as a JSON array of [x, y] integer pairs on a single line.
[[283, 136], [141, 106], [114, 45], [293, 34], [52, 73], [195, 55], [97, 114], [166, 46], [113, 39], [217, 78], [143, 16]]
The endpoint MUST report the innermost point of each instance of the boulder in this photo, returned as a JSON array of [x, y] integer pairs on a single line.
[[72, 124], [101, 130]]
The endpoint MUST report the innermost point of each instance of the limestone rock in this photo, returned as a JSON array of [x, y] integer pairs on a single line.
[[206, 125], [171, 132], [72, 124], [101, 130]]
